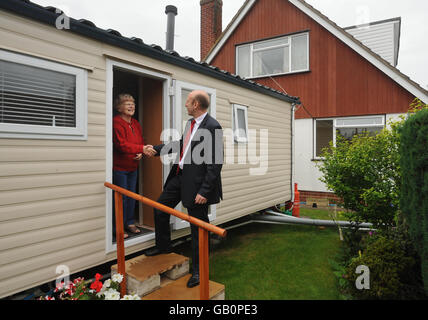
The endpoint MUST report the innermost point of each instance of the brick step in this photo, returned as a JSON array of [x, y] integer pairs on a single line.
[[177, 290], [144, 274]]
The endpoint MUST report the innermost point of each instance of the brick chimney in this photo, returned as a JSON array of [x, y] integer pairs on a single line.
[[211, 24]]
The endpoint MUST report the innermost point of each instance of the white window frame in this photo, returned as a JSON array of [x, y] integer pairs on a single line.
[[289, 44], [178, 86], [237, 137], [335, 126], [24, 131]]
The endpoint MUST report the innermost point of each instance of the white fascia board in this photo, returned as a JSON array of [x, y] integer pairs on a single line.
[[229, 31], [362, 51]]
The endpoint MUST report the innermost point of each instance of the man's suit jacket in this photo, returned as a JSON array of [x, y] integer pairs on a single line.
[[202, 163]]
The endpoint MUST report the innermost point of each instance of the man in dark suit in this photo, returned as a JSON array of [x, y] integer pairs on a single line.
[[194, 178]]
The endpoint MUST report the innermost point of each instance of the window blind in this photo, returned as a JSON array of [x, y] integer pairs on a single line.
[[35, 96]]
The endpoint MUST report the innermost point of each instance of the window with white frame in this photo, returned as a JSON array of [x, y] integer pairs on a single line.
[[277, 56], [240, 122], [41, 99], [326, 130]]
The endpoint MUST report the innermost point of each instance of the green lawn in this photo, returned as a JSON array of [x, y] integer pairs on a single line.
[[276, 262], [322, 214]]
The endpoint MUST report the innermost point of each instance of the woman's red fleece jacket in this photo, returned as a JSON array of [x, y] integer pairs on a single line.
[[127, 142]]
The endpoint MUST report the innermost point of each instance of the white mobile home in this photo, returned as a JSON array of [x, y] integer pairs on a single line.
[[57, 85]]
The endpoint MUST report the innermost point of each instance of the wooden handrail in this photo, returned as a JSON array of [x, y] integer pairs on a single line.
[[204, 229]]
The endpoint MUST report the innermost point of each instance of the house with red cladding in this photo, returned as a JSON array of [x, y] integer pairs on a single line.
[[346, 78]]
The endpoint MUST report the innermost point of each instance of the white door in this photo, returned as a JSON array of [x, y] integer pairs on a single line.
[[181, 91]]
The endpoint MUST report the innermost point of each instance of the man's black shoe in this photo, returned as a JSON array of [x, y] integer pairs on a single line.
[[155, 251], [193, 281]]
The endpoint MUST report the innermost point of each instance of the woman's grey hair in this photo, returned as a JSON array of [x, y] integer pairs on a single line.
[[121, 98]]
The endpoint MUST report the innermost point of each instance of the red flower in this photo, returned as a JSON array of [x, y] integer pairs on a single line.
[[96, 285], [98, 277]]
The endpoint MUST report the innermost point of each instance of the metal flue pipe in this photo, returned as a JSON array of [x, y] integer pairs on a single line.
[[171, 12], [275, 217]]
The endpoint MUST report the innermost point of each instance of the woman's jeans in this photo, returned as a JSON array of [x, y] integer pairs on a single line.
[[126, 180]]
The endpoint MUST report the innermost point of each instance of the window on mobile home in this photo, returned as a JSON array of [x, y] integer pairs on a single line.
[[41, 99], [240, 123], [326, 130], [273, 57]]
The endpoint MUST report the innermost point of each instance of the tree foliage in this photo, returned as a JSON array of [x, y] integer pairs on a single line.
[[414, 191], [364, 172]]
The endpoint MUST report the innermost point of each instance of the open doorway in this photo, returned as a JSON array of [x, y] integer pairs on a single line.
[[148, 94]]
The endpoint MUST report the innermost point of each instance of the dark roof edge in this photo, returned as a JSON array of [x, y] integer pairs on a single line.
[[86, 28]]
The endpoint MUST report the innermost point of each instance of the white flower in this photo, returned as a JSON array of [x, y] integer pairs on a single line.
[[111, 294], [107, 284], [117, 277]]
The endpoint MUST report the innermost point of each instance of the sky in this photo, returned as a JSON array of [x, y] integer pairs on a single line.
[[146, 19]]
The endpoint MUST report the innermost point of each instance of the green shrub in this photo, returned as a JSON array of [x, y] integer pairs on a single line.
[[364, 173], [389, 267], [414, 191]]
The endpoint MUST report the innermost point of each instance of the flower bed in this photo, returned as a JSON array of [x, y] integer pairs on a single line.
[[81, 289]]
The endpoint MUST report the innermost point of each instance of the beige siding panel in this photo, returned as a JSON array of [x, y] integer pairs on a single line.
[[236, 180], [49, 167], [250, 186], [17, 240], [40, 194], [48, 153], [257, 191], [96, 130], [45, 260], [49, 220], [93, 141], [96, 96], [96, 118], [98, 74], [50, 180], [231, 171], [45, 207], [46, 247], [230, 212], [24, 42], [46, 33], [39, 270], [94, 84], [97, 107]]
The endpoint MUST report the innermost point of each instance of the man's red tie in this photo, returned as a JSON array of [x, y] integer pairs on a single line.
[[186, 141]]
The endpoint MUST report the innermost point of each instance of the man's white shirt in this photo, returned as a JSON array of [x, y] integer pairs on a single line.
[[195, 127]]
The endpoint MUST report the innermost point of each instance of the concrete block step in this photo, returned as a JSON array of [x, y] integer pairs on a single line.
[[177, 290], [144, 273]]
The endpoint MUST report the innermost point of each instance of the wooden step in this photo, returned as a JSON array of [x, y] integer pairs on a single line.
[[144, 273], [177, 290]]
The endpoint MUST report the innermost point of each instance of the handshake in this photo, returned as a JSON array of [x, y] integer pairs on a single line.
[[147, 150]]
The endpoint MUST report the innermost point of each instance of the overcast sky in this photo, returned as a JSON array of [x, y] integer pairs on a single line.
[[146, 19]]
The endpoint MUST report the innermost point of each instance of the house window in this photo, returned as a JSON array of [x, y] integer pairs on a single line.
[[326, 130], [273, 57], [240, 123], [41, 99]]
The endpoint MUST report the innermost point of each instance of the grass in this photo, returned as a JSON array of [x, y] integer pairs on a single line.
[[277, 262], [312, 213]]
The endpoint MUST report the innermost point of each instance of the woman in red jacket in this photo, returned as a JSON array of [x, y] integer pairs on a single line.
[[128, 149]]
